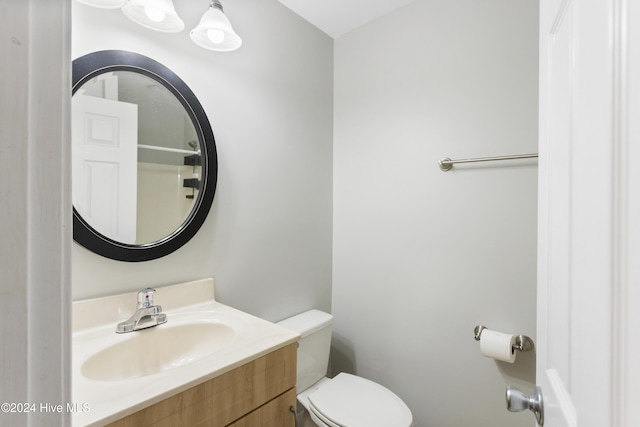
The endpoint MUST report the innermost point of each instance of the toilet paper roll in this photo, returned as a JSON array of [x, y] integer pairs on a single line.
[[497, 345]]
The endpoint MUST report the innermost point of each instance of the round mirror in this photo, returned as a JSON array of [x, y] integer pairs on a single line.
[[144, 160]]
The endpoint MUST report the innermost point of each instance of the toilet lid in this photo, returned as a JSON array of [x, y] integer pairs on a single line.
[[351, 401]]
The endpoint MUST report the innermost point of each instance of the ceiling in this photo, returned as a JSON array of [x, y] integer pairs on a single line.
[[337, 17]]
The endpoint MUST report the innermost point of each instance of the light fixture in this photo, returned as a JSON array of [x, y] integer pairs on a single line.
[[159, 15], [214, 32], [104, 4]]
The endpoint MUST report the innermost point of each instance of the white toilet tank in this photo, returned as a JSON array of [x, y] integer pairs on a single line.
[[313, 352]]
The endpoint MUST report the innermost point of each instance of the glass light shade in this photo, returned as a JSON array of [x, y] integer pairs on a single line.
[[158, 15], [214, 32], [104, 4]]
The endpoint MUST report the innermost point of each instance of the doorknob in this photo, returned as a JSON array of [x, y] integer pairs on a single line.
[[518, 401]]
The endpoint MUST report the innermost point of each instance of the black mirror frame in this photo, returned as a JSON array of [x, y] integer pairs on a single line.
[[93, 64]]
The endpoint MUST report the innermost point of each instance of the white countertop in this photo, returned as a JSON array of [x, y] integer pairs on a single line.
[[94, 322]]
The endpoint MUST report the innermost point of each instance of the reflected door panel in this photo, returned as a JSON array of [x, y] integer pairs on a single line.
[[105, 161]]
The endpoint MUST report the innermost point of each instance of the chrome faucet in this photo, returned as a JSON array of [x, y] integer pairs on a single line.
[[146, 316]]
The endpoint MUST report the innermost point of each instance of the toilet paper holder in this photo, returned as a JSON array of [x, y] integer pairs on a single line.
[[522, 342]]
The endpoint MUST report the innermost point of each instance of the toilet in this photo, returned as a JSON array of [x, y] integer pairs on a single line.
[[345, 400]]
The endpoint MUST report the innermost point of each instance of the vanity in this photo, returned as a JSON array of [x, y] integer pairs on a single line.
[[208, 365]]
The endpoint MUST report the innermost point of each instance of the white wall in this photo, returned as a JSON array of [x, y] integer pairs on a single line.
[[421, 256], [267, 239]]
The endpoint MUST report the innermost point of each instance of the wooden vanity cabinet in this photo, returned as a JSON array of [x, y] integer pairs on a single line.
[[257, 394]]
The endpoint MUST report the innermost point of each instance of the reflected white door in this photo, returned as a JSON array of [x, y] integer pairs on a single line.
[[582, 207], [105, 161]]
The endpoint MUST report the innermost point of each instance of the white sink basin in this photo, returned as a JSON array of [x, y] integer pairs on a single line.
[[157, 349]]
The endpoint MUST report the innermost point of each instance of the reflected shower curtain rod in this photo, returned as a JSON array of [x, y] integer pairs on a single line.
[[171, 150], [446, 163]]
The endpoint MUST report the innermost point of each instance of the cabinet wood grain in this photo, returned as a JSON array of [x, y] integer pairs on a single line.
[[276, 413], [228, 397]]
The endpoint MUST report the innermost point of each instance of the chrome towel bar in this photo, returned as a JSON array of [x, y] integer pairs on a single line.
[[446, 163]]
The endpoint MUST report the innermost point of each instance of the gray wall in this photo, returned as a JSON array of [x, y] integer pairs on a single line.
[[419, 256], [422, 256], [267, 240]]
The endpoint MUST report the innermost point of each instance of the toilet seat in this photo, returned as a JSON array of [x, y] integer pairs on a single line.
[[351, 401]]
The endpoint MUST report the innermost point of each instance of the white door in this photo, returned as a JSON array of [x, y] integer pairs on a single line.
[[104, 165], [585, 206]]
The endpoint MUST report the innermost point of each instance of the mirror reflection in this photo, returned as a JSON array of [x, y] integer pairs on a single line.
[[136, 158]]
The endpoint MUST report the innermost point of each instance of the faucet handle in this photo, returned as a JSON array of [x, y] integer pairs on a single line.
[[145, 297]]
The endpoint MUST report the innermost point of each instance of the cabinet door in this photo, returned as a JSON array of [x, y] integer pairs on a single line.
[[234, 395], [276, 413]]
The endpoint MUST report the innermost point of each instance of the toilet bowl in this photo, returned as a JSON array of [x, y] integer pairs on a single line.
[[345, 400]]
